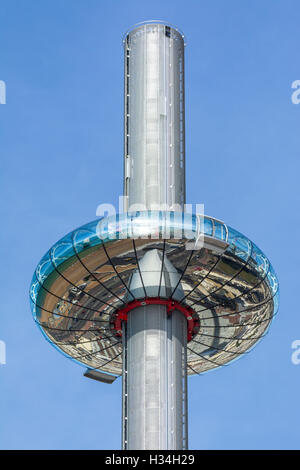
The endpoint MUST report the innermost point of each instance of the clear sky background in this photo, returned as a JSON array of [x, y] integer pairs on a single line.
[[61, 144]]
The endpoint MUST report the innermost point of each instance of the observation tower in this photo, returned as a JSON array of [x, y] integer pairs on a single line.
[[155, 293]]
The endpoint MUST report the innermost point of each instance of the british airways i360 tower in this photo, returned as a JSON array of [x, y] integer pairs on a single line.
[[155, 293]]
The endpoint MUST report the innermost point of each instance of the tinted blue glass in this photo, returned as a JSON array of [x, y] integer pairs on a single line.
[[272, 279], [208, 226], [220, 230], [114, 227], [239, 245], [262, 261], [33, 309], [276, 302], [259, 261], [34, 288], [44, 268], [83, 239], [62, 250]]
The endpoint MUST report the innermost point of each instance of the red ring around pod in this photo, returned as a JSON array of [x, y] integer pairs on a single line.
[[193, 323]]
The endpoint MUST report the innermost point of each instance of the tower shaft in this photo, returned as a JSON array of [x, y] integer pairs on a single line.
[[154, 375], [154, 379], [154, 157]]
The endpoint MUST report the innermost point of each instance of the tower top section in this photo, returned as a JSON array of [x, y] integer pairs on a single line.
[[154, 129], [176, 32]]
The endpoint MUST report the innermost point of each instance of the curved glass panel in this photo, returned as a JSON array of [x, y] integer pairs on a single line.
[[33, 309], [260, 261], [34, 288], [44, 268], [84, 279], [272, 279], [62, 250], [84, 238], [239, 245], [220, 230], [208, 227]]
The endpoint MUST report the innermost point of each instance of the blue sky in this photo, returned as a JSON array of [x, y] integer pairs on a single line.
[[61, 137]]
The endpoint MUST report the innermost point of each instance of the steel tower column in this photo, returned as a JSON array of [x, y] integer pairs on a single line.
[[154, 147], [154, 376]]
